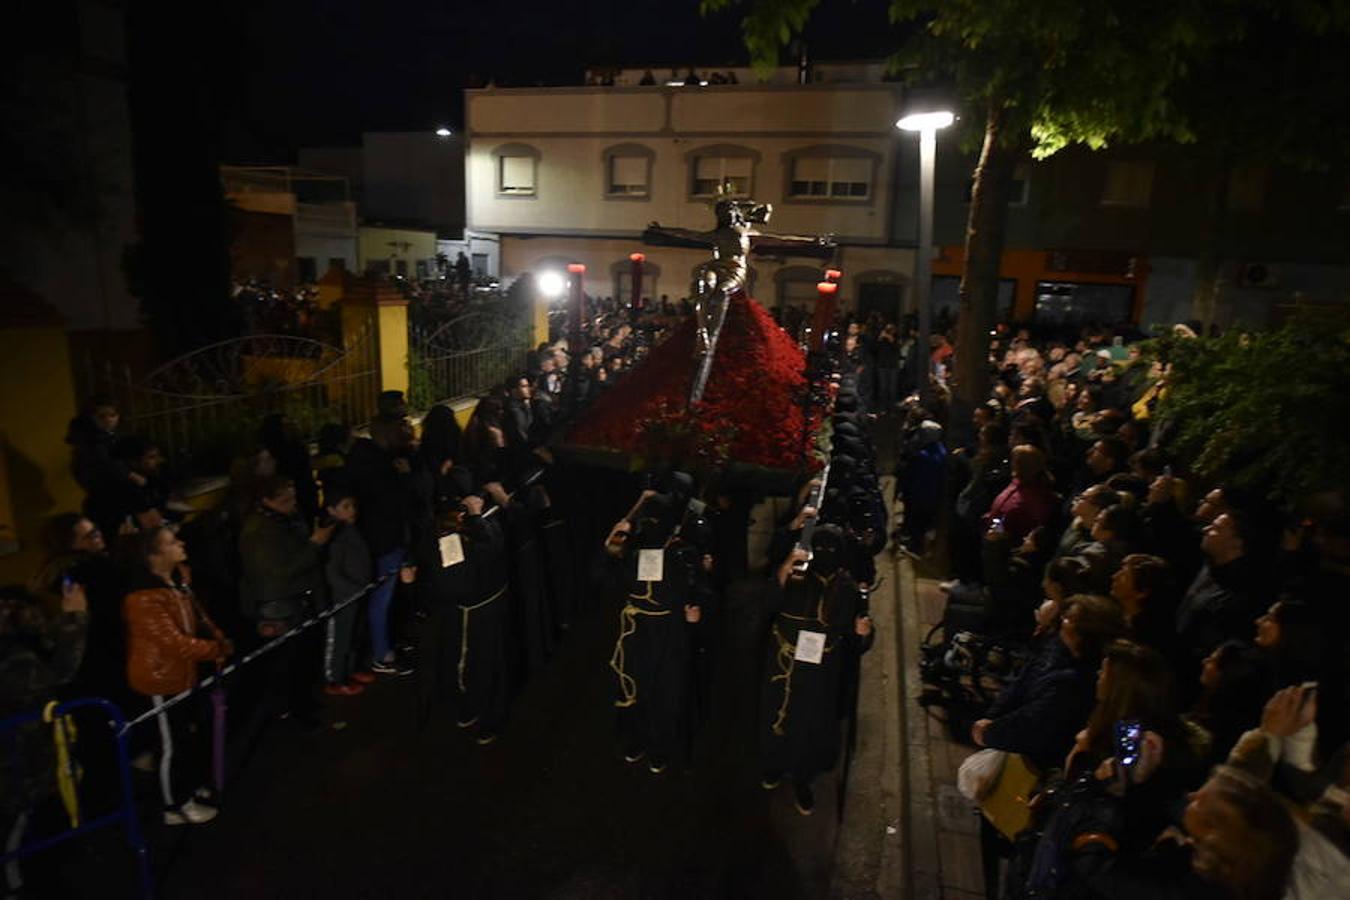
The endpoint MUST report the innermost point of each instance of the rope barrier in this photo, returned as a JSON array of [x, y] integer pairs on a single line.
[[271, 645], [280, 639]]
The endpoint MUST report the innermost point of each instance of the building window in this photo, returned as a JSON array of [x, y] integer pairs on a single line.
[[722, 174], [516, 170], [479, 261], [627, 175], [339, 262], [628, 171], [401, 268], [307, 269], [1246, 188], [833, 177], [1128, 184], [516, 174]]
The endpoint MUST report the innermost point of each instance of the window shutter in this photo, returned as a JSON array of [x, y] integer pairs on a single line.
[[810, 168], [628, 172], [517, 173], [853, 169], [736, 167]]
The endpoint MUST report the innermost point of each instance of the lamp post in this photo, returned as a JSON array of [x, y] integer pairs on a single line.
[[927, 125]]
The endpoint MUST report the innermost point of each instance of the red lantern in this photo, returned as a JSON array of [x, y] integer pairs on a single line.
[[824, 317], [833, 274]]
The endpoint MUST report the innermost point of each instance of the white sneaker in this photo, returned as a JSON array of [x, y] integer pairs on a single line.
[[190, 813]]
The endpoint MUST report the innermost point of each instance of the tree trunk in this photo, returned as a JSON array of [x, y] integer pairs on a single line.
[[984, 249]]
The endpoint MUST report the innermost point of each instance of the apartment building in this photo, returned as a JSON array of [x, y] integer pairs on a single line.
[[575, 174]]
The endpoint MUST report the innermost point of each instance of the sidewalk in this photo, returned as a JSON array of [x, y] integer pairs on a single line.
[[942, 844], [907, 833]]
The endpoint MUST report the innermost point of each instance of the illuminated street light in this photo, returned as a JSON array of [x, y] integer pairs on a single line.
[[926, 121], [552, 284], [927, 125], [443, 132]]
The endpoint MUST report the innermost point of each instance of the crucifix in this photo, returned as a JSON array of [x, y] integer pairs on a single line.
[[727, 272]]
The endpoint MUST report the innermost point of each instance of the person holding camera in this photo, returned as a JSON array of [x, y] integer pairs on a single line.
[[282, 583]]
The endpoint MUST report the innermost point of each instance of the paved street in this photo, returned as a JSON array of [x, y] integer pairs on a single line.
[[376, 810]]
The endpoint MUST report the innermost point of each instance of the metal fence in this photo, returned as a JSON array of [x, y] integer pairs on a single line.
[[469, 367], [204, 408]]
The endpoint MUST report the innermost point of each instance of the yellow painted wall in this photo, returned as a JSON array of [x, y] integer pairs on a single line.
[[368, 302], [37, 401], [392, 320]]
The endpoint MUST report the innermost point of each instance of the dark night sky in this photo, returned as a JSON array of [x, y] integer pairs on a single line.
[[304, 72]]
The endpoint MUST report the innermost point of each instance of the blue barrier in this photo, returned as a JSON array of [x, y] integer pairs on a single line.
[[126, 814]]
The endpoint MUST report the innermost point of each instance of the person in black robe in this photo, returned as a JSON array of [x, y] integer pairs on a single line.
[[531, 606], [801, 699], [651, 661], [462, 568]]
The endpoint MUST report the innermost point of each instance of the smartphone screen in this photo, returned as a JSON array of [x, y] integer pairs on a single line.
[[1129, 734]]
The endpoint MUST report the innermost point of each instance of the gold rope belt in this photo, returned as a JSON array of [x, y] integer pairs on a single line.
[[628, 626], [464, 634], [787, 664]]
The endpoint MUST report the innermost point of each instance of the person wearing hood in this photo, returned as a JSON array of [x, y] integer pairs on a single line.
[[652, 655], [462, 570], [817, 618]]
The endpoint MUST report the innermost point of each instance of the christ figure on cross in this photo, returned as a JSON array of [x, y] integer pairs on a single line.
[[727, 272]]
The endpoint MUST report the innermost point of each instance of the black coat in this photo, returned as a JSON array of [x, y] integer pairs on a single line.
[[1039, 714], [385, 496]]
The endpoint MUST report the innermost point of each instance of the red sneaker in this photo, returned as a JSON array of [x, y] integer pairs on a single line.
[[343, 690], [363, 677]]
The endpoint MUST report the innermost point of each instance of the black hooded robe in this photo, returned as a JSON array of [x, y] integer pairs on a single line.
[[799, 727]]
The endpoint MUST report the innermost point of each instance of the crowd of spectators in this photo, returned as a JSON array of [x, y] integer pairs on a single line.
[[1183, 710], [141, 595], [1181, 715]]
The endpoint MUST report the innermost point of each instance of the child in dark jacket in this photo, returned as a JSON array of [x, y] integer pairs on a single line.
[[348, 571]]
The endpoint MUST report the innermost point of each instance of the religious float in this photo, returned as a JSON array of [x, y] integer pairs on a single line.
[[727, 392]]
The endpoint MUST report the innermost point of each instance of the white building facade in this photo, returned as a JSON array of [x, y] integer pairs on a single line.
[[575, 174]]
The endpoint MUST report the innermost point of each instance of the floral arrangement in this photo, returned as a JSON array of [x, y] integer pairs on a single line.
[[686, 437], [750, 413]]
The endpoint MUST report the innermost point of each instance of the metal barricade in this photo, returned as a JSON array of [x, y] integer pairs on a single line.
[[125, 815]]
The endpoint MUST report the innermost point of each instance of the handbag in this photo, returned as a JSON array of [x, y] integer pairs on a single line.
[[1006, 803]]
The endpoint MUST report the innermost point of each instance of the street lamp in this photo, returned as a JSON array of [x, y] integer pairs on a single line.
[[927, 125], [551, 284], [443, 132]]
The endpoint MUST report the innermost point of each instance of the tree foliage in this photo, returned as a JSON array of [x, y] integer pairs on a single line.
[[1068, 71], [1266, 410]]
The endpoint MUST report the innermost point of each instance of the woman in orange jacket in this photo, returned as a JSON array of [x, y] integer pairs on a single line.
[[169, 636]]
